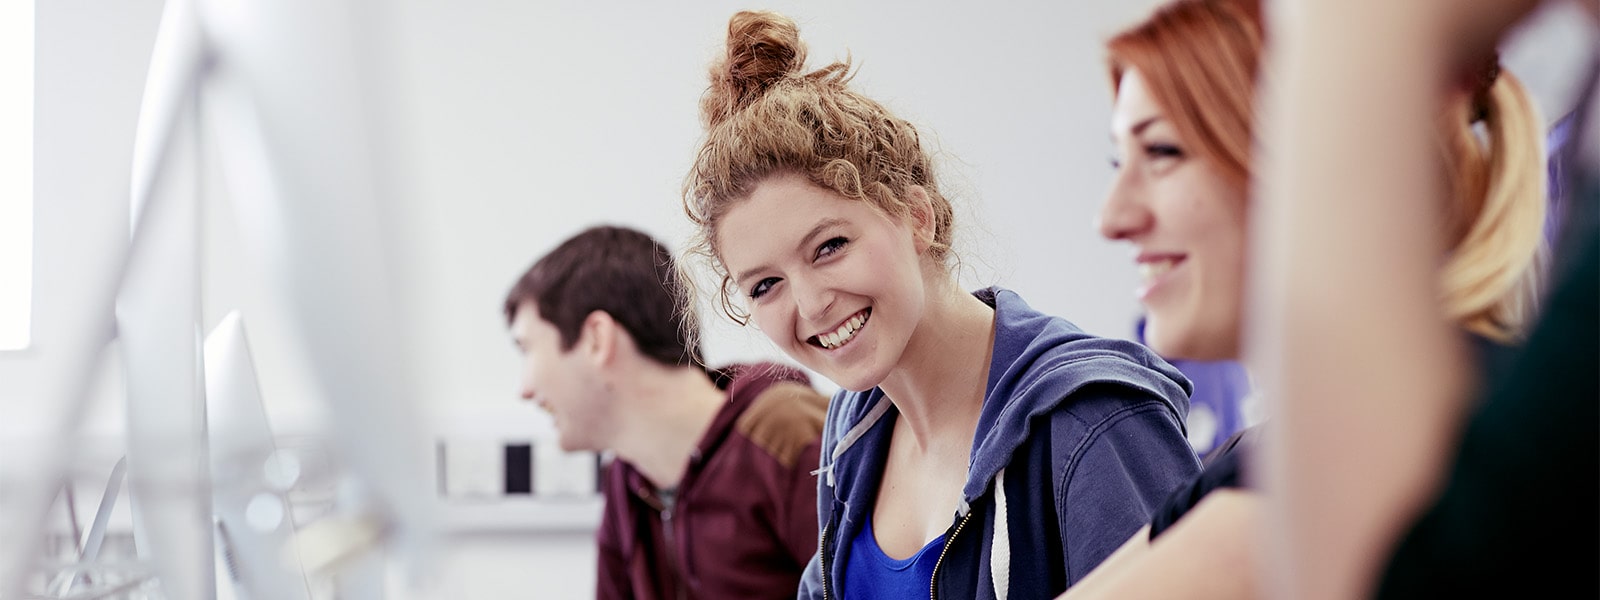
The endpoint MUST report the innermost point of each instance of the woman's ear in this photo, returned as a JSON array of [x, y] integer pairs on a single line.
[[924, 226]]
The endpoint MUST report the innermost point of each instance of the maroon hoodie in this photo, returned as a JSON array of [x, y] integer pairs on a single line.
[[742, 522]]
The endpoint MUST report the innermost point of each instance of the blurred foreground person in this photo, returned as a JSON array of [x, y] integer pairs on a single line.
[[1378, 483], [1184, 90]]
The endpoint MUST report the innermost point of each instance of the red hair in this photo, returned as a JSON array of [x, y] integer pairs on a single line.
[[1198, 58]]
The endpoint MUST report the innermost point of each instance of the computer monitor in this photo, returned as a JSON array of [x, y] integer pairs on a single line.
[[286, 89], [292, 101], [249, 479], [158, 322], [144, 295]]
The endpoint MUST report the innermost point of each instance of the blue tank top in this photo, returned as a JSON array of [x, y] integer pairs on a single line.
[[869, 573]]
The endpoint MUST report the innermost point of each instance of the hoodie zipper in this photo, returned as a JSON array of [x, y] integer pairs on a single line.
[[672, 551], [664, 509], [933, 581], [824, 557]]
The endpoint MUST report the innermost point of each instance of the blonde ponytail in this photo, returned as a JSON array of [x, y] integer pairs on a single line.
[[1490, 283]]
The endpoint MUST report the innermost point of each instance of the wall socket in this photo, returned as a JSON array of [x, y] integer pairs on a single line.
[[490, 468]]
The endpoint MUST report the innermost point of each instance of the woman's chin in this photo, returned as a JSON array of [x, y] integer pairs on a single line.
[[852, 379], [1190, 345]]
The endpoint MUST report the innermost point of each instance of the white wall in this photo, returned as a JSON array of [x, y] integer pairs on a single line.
[[1546, 53], [516, 124], [89, 63], [528, 122], [89, 72]]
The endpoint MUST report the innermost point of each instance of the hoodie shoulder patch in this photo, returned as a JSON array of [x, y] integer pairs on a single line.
[[783, 420]]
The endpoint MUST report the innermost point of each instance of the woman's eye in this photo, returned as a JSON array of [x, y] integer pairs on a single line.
[[831, 246], [762, 287], [1159, 151]]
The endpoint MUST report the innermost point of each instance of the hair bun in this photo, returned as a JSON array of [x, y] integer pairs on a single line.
[[763, 49]]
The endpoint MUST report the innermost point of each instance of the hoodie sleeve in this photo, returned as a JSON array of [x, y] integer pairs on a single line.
[[785, 424], [1130, 458]]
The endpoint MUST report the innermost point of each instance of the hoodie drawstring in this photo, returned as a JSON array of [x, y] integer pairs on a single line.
[[855, 433], [1000, 545]]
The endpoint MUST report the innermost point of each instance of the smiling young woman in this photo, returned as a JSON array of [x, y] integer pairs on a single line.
[[1183, 83], [979, 446]]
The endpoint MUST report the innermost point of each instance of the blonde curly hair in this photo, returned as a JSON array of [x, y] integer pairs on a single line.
[[764, 116]]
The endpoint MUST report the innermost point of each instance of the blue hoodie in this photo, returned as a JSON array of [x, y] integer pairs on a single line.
[[1080, 439]]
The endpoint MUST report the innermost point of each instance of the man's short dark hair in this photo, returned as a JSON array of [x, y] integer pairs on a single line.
[[621, 271]]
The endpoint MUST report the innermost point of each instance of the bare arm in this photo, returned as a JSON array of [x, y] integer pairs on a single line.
[[1210, 553], [1368, 376]]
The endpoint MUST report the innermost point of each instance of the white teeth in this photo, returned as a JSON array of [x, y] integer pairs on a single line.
[[843, 334], [1153, 269]]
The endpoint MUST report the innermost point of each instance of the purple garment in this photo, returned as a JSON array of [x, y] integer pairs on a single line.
[[1561, 135], [1216, 407]]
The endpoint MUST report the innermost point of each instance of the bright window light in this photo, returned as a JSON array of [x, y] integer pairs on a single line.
[[16, 172]]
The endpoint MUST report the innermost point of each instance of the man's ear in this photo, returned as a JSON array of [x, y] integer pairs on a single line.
[[597, 339], [924, 226]]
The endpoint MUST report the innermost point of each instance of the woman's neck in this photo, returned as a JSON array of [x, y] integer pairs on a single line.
[[939, 385]]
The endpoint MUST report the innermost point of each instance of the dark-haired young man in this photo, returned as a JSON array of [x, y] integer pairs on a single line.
[[711, 494]]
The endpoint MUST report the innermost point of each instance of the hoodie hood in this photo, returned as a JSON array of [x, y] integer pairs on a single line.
[[1039, 362], [1075, 431], [1029, 376]]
